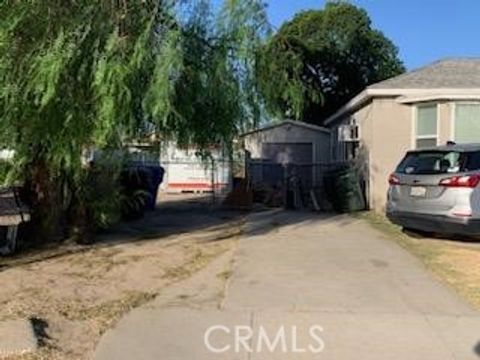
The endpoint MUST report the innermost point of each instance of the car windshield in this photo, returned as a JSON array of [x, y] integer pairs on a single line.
[[439, 162]]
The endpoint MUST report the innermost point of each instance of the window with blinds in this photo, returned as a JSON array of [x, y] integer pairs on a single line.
[[426, 126], [467, 123]]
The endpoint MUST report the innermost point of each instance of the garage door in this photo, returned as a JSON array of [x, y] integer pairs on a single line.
[[288, 153]]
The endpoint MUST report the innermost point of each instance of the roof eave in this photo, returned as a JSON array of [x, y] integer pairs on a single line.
[[412, 99], [353, 104], [413, 93]]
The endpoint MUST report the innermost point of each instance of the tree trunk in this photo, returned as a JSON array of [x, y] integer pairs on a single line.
[[44, 195]]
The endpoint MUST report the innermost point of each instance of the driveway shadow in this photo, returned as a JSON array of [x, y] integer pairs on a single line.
[[174, 215], [476, 349], [265, 222]]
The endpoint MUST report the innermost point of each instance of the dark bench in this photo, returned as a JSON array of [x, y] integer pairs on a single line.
[[13, 212]]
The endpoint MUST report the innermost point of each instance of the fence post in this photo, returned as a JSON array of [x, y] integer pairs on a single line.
[[213, 179], [285, 184]]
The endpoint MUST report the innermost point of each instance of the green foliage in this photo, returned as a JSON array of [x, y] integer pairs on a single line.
[[92, 73], [322, 58], [5, 173], [213, 96], [99, 192]]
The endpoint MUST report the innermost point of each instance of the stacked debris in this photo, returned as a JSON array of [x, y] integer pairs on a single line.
[[241, 196]]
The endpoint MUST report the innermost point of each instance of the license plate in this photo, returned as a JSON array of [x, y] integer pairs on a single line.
[[418, 191]]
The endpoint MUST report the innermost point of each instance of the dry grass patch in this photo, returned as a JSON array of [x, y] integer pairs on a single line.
[[454, 263], [81, 295], [461, 268]]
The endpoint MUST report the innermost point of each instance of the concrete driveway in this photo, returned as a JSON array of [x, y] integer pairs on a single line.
[[365, 297]]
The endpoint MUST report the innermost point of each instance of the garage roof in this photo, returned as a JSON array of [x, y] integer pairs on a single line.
[[291, 123]]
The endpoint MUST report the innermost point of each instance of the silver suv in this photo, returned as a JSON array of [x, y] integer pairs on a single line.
[[437, 190]]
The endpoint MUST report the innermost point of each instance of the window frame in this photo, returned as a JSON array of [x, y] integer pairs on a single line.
[[417, 137], [453, 124]]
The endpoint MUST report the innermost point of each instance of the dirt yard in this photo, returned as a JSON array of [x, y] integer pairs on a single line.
[[80, 292], [454, 262]]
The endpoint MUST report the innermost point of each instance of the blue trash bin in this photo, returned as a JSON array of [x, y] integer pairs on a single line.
[[156, 178]]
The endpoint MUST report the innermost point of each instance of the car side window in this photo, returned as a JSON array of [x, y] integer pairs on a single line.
[[473, 161]]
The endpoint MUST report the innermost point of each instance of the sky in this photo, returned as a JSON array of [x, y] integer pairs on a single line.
[[423, 30]]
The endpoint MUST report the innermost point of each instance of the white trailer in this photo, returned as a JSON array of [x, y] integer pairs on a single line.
[[185, 172]]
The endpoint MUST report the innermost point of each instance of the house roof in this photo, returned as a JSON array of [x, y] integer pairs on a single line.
[[455, 73], [454, 78], [288, 122]]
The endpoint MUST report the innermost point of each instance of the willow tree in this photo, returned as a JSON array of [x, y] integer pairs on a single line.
[[89, 73], [215, 91]]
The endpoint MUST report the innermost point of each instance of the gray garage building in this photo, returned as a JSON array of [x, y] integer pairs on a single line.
[[289, 149], [289, 142]]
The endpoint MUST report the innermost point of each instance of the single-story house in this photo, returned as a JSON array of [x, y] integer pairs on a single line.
[[421, 108]]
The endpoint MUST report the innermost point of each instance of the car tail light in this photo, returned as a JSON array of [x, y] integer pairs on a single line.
[[463, 214], [393, 180], [468, 181]]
